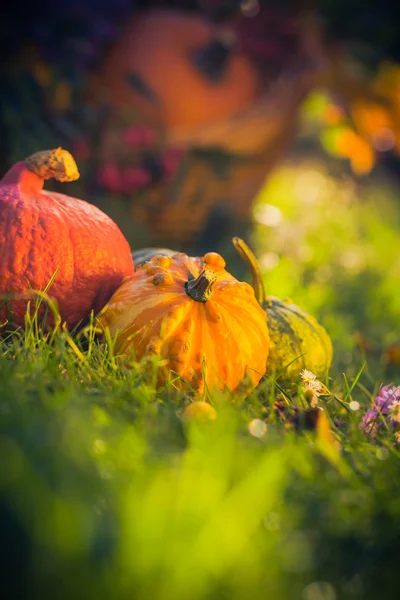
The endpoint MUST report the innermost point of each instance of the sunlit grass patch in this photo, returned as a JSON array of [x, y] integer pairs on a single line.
[[107, 487]]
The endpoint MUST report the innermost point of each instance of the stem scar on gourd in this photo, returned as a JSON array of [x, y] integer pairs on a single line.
[[200, 288]]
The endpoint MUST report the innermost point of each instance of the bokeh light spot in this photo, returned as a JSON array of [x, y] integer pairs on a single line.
[[269, 260], [258, 428], [267, 214], [319, 590]]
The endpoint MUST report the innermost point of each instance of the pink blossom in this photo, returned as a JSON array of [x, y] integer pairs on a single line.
[[110, 177], [171, 160], [140, 135], [136, 178], [81, 149], [383, 412]]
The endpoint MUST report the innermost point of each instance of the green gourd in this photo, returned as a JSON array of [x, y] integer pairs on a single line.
[[145, 254], [297, 340]]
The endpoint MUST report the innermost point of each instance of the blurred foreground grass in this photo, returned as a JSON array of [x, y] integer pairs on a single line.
[[106, 492]]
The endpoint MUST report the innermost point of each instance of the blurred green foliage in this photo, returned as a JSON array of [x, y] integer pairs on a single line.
[[333, 249]]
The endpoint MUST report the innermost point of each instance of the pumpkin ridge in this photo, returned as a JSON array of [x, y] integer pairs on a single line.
[[294, 341], [238, 303], [227, 309], [193, 346], [73, 251], [36, 229], [244, 321], [177, 323], [175, 298], [166, 341], [221, 352], [156, 325], [250, 326], [150, 310], [6, 226], [203, 379]]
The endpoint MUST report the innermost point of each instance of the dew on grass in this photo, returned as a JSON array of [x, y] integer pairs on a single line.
[[99, 446], [382, 453], [269, 260], [272, 521], [310, 186], [258, 428], [296, 555], [319, 590], [268, 214], [107, 471]]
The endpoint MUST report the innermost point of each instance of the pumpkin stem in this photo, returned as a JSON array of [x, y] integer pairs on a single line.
[[57, 164], [249, 257], [200, 288]]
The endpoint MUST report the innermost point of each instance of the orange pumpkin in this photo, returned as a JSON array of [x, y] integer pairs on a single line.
[[191, 312], [219, 121], [44, 233], [165, 65]]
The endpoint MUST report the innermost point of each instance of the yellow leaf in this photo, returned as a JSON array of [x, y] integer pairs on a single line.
[[370, 118], [62, 96], [42, 73], [363, 161]]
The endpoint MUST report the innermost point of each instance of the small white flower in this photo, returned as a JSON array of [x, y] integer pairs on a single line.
[[394, 411], [310, 382], [307, 376], [312, 397], [258, 428], [318, 387], [397, 436], [354, 405]]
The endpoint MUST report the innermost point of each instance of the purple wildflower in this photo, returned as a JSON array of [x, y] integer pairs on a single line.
[[385, 411]]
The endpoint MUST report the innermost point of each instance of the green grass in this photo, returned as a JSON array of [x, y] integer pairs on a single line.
[[106, 492]]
